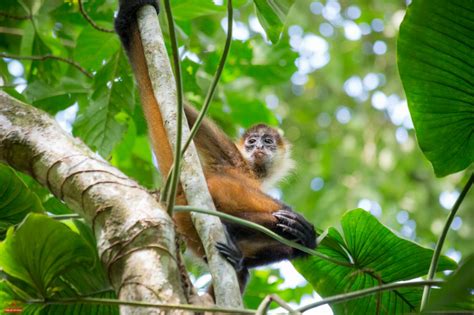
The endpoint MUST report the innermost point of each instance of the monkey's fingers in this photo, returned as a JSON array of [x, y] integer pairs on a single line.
[[297, 227], [293, 233], [295, 216], [232, 254]]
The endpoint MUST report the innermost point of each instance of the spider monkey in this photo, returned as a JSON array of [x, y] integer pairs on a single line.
[[234, 178]]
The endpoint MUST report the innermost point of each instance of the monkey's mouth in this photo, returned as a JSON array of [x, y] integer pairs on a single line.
[[259, 155]]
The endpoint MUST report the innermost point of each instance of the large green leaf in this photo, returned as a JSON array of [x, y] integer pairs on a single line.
[[16, 199], [40, 250], [104, 121], [436, 64], [94, 47], [456, 294], [378, 256], [44, 259], [272, 15]]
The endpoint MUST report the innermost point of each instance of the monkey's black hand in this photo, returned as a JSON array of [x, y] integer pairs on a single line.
[[127, 15], [232, 254], [294, 226]]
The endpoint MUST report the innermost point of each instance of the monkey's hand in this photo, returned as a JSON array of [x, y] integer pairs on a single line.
[[232, 254], [294, 226]]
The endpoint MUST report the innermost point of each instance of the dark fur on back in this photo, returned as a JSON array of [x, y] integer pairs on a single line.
[[217, 147]]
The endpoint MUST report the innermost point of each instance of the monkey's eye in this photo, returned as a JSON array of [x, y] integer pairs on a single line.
[[251, 141], [268, 140]]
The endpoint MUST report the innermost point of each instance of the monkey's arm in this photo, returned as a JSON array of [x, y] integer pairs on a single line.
[[237, 197]]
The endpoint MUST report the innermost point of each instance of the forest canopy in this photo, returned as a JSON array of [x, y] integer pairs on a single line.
[[380, 114]]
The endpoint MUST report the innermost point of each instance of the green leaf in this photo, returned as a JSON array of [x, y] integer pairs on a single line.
[[53, 260], [42, 249], [272, 15], [436, 65], [16, 200], [378, 256], [190, 9], [456, 294], [93, 48], [101, 124], [55, 98]]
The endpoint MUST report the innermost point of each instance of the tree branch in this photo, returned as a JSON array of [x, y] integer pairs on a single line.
[[194, 184], [135, 236], [91, 21], [45, 57]]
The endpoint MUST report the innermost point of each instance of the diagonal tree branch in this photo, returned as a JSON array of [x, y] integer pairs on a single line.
[[136, 239], [209, 228]]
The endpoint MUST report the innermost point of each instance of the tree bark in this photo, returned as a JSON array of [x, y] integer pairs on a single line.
[[135, 236]]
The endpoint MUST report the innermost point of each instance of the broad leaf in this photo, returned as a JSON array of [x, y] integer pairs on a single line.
[[436, 65], [16, 199], [94, 48], [40, 250], [378, 257], [272, 15], [53, 260], [55, 98], [104, 121], [190, 9], [456, 294]]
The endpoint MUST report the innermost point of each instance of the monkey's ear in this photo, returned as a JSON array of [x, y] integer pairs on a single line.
[[280, 132]]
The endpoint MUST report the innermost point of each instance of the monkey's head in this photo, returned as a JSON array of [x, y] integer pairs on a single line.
[[267, 152]]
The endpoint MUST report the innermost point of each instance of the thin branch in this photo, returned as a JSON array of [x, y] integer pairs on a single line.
[[60, 217], [12, 31], [211, 91], [442, 238], [264, 230], [361, 293], [217, 76], [263, 307], [179, 111], [91, 21], [164, 306], [45, 57], [15, 17]]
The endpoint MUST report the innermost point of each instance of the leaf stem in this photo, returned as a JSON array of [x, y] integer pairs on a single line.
[[442, 238], [171, 196], [166, 306], [264, 230], [361, 293]]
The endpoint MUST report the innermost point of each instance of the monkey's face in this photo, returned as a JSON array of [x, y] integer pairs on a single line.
[[260, 148]]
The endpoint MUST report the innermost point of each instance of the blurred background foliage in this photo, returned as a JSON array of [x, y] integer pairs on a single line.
[[330, 83]]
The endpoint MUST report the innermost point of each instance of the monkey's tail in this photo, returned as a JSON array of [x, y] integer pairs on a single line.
[[126, 26]]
